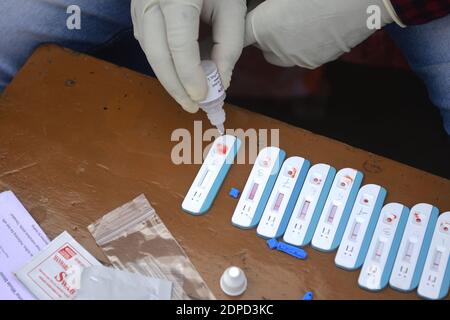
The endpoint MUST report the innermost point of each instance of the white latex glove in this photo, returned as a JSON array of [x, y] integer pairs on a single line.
[[167, 31], [309, 33]]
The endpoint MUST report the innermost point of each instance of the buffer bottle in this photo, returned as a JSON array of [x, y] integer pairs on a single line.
[[213, 104]]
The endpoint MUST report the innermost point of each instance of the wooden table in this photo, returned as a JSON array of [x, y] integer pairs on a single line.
[[80, 137]]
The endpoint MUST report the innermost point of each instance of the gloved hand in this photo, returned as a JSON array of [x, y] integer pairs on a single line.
[[167, 31], [309, 33]]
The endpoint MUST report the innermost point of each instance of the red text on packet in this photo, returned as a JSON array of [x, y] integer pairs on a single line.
[[67, 252]]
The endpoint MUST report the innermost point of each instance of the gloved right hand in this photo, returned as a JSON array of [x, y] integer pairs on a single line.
[[167, 31]]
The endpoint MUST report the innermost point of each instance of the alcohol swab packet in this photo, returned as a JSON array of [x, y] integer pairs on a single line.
[[103, 283]]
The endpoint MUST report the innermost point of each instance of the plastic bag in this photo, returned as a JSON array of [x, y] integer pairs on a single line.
[[103, 283], [133, 237]]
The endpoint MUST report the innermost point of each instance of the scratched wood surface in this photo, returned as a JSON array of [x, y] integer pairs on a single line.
[[80, 137]]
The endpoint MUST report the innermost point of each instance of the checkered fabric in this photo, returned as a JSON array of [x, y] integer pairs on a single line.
[[413, 12]]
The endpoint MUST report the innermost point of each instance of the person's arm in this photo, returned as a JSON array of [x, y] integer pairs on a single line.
[[414, 12]]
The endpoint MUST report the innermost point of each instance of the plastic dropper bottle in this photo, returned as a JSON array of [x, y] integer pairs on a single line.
[[213, 104]]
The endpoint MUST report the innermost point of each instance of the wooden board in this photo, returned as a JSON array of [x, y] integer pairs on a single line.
[[80, 137]]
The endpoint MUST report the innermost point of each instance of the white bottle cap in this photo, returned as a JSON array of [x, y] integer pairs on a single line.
[[233, 281]]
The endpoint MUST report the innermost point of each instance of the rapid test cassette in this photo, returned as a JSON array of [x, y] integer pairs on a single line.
[[360, 227], [435, 280], [413, 248], [210, 177], [337, 208], [380, 257], [309, 205], [283, 197], [258, 187]]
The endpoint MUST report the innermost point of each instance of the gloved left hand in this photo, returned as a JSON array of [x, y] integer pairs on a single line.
[[309, 33]]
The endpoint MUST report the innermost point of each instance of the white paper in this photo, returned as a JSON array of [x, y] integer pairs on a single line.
[[103, 283], [53, 273], [20, 239]]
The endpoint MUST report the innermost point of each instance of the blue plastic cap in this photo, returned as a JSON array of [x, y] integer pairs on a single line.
[[308, 296], [234, 193], [272, 243], [291, 250]]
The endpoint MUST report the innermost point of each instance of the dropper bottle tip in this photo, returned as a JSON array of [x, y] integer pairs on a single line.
[[221, 129]]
